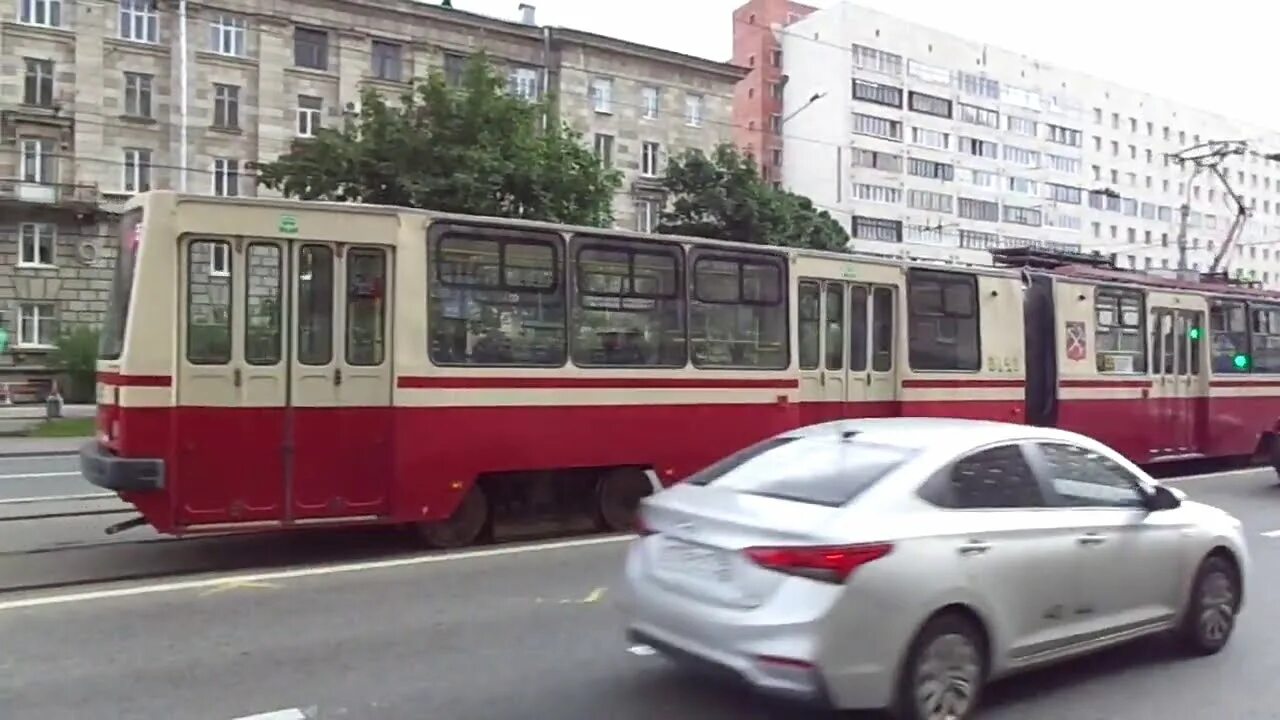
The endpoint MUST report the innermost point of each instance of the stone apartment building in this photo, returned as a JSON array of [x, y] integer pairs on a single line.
[[91, 112]]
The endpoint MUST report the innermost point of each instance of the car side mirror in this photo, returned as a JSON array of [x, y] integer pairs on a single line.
[[1165, 498]]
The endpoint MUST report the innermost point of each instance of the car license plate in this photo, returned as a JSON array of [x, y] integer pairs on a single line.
[[697, 562]]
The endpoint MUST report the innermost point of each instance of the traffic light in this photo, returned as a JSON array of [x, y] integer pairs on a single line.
[[1241, 362], [1194, 333]]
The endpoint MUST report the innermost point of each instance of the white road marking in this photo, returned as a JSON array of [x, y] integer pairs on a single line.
[[1203, 476], [39, 475], [641, 650], [57, 498], [303, 572], [1271, 534], [287, 714]]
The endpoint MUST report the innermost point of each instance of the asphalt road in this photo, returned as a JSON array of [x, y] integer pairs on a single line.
[[29, 477], [517, 633]]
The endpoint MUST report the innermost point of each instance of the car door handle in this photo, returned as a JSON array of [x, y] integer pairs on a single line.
[[1091, 539], [974, 547]]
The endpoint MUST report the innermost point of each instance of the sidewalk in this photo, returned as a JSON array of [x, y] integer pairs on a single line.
[[39, 447]]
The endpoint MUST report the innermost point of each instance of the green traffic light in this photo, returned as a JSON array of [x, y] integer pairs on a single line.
[[1241, 361], [1195, 333]]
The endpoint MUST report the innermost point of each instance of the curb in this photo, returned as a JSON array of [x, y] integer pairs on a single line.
[[39, 453]]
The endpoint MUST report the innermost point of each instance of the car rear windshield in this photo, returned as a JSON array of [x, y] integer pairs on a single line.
[[818, 471]]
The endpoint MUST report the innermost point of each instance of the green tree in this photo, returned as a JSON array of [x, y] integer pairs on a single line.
[[474, 148], [723, 196], [76, 356]]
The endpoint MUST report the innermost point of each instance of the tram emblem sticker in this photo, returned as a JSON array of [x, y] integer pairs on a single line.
[[1076, 343]]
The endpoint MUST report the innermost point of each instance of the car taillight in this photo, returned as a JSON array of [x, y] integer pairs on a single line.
[[827, 563]]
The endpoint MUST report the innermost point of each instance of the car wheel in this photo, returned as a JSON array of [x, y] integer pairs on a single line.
[[1211, 610], [945, 671]]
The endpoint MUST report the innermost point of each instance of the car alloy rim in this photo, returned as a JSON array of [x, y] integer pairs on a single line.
[[947, 678], [1217, 606]]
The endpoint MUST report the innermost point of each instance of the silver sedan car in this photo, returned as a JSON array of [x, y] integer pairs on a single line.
[[902, 563]]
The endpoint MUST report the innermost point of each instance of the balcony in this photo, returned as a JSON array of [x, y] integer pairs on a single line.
[[79, 198]]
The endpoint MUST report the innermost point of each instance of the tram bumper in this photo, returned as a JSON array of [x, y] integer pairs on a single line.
[[105, 470]]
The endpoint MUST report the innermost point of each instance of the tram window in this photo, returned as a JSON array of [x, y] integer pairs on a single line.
[[366, 306], [1120, 333], [1229, 337], [738, 311], [882, 329], [835, 326], [496, 300], [858, 328], [943, 312], [1265, 339], [208, 304], [1196, 331], [630, 305], [315, 305], [262, 308], [810, 299]]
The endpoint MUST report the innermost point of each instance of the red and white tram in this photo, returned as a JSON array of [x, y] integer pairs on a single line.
[[277, 364]]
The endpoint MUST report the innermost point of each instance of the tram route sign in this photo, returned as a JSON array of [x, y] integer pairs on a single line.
[[1077, 345], [288, 225]]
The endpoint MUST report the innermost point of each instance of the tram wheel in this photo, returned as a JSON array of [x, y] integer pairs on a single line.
[[463, 527], [618, 495]]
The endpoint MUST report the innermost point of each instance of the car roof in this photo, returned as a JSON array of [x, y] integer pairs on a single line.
[[933, 433]]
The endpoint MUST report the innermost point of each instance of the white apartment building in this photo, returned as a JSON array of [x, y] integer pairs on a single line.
[[925, 143]]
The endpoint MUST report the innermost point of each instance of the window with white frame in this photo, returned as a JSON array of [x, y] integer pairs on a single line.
[[37, 161], [36, 244], [927, 200], [602, 95], [867, 192], [652, 102], [930, 138], [139, 21], [37, 324], [226, 106], [646, 215], [309, 115], [220, 259], [1021, 125], [37, 83], [523, 83], [137, 170], [227, 35], [877, 126], [693, 110], [137, 94], [649, 155], [226, 177], [40, 12]]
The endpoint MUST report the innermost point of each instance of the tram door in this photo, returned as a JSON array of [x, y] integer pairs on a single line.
[[340, 381], [846, 350], [1180, 381]]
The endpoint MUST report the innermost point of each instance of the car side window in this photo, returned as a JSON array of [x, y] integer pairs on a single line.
[[1084, 478], [998, 477]]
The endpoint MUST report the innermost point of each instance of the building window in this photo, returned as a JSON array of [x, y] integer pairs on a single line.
[[311, 48], [604, 149], [1024, 186], [775, 123], [1022, 156], [869, 58], [455, 66], [37, 88], [226, 177], [646, 216], [877, 93], [888, 162], [1064, 164], [930, 138], [975, 115], [649, 159], [979, 178], [386, 61], [139, 21], [877, 126], [137, 170], [1022, 215], [137, 95], [978, 148], [1065, 136], [775, 58], [936, 202], [37, 161], [873, 228], [37, 325], [930, 104], [974, 209], [1021, 125], [931, 169], [602, 95], [1064, 193], [652, 101], [227, 35], [40, 12], [309, 115], [928, 73], [523, 83], [226, 106], [978, 85], [693, 110], [36, 244], [877, 193]]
